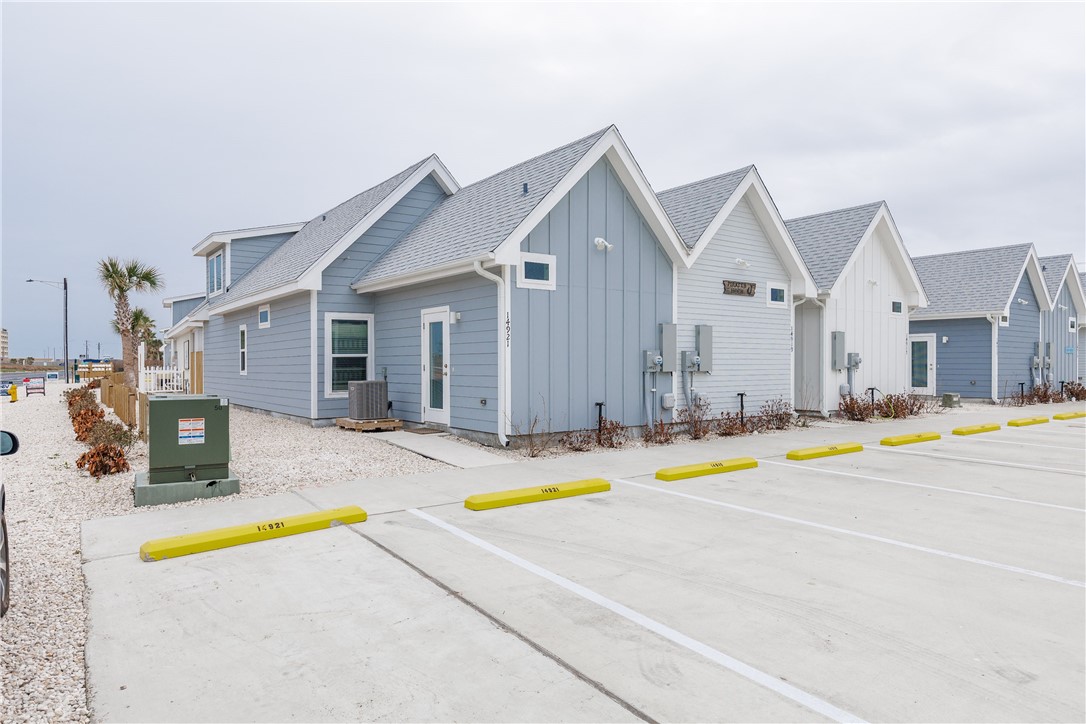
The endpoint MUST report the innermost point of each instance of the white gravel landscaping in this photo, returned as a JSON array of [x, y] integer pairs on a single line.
[[43, 634]]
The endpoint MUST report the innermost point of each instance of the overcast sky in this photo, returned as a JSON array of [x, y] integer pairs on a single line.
[[137, 129]]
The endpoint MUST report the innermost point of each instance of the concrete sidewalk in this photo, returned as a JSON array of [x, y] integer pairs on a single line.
[[439, 447]]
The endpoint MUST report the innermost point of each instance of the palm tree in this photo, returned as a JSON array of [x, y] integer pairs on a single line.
[[143, 330], [121, 278]]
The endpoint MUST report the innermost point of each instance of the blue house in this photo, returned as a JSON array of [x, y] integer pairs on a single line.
[[529, 295], [980, 336], [1059, 327]]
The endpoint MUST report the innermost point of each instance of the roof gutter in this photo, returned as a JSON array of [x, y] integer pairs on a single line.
[[503, 352], [460, 266]]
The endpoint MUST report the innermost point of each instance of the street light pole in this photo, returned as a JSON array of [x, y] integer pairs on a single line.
[[64, 286]]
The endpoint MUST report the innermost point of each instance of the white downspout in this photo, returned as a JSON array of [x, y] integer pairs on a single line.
[[994, 319], [503, 352], [823, 362]]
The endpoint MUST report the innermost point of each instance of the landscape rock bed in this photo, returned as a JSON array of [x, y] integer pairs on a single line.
[[42, 637]]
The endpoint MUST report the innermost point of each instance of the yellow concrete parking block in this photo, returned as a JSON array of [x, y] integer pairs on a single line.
[[712, 468], [825, 451], [1069, 415], [487, 501], [911, 438], [974, 429], [209, 540], [1023, 421]]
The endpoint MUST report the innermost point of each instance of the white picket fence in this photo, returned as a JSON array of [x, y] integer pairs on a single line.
[[156, 380]]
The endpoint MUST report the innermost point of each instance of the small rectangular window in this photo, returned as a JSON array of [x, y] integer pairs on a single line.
[[895, 307], [214, 273], [243, 351], [776, 295], [536, 271], [1072, 324], [263, 316], [1004, 320]]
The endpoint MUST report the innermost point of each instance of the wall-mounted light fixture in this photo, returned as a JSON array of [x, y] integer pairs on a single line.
[[742, 262], [1021, 301], [873, 282], [603, 245]]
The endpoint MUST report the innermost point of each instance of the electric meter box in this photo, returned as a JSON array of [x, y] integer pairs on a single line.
[[188, 450]]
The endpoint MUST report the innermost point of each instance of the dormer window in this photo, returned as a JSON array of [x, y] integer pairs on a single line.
[[214, 273]]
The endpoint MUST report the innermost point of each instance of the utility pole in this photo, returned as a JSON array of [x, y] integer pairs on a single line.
[[86, 349], [99, 350]]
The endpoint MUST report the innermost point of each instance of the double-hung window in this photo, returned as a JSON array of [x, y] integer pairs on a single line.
[[214, 273], [348, 346]]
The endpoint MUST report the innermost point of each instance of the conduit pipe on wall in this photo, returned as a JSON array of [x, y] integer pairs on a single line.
[[503, 352]]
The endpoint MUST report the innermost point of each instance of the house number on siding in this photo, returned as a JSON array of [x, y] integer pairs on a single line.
[[742, 289]]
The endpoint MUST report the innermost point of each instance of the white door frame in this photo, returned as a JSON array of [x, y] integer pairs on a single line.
[[431, 414], [930, 339]]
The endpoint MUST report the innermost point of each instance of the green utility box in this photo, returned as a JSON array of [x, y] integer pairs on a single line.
[[188, 450]]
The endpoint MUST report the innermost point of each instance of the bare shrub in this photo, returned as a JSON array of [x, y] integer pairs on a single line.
[[776, 415], [537, 438], [658, 434], [1075, 391], [106, 432], [103, 460], [696, 419], [612, 434], [86, 419], [900, 406], [578, 440], [729, 425], [855, 408]]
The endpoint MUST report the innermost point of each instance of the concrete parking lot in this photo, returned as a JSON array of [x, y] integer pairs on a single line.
[[932, 582]]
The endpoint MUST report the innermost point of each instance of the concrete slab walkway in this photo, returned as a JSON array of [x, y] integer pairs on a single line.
[[442, 449]]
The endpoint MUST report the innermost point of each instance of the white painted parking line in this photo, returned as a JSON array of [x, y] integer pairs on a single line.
[[718, 657], [858, 534], [921, 485], [1005, 441], [980, 461]]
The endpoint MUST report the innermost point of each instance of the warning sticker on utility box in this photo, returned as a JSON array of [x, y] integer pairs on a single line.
[[190, 431]]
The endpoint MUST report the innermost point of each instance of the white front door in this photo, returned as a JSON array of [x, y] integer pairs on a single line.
[[435, 365], [922, 363]]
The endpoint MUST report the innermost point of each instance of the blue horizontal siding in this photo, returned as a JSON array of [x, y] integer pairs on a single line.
[[963, 363], [1019, 341]]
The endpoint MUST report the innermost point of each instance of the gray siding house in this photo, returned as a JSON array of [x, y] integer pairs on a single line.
[[1059, 326], [981, 334], [744, 278], [529, 295]]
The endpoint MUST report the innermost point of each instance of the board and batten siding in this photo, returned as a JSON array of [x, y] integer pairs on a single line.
[[752, 341], [336, 294], [963, 363], [1061, 341], [245, 253], [182, 308], [582, 343], [861, 309], [1019, 341], [473, 342], [278, 360]]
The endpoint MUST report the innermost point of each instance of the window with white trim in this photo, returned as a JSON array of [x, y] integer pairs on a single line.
[[537, 271], [776, 295], [1004, 320], [214, 273], [1072, 325], [243, 350], [186, 354], [263, 316], [896, 306], [348, 347]]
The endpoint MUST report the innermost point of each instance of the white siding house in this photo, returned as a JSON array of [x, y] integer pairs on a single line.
[[867, 287], [744, 273]]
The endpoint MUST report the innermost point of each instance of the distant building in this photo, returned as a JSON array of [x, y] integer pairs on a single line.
[[3, 344]]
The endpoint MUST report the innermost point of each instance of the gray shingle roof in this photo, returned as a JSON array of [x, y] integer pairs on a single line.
[[692, 206], [826, 241], [479, 217], [298, 253], [1054, 269], [964, 282]]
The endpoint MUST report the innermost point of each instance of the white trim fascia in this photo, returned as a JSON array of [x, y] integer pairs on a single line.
[[753, 188], [955, 315], [168, 302], [268, 295], [1078, 295], [311, 277], [903, 257], [193, 320], [454, 268], [1036, 277], [313, 354], [611, 145], [371, 353], [225, 237]]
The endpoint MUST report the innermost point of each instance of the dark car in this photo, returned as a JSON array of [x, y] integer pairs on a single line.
[[9, 445]]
